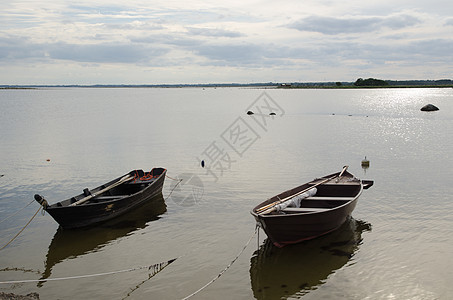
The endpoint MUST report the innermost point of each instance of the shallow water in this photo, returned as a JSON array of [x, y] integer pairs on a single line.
[[397, 246]]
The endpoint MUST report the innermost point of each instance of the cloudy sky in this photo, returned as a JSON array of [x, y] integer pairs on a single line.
[[174, 41]]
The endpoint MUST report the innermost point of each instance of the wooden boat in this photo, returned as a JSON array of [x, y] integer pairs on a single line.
[[107, 201], [311, 209]]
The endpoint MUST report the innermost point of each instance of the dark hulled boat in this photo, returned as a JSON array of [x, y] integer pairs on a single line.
[[107, 201], [311, 209]]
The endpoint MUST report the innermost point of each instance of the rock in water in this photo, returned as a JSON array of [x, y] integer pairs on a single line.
[[11, 296], [429, 107], [250, 112]]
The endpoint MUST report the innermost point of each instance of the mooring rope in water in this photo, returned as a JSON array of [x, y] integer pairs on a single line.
[[175, 179], [224, 270], [20, 231], [10, 216], [179, 181], [156, 268]]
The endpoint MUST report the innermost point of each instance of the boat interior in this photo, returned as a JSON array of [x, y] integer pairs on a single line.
[[328, 196], [139, 180]]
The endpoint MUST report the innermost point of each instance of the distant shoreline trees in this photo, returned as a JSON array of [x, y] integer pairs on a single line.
[[370, 82]]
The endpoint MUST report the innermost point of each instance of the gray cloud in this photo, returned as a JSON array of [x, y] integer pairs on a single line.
[[242, 54], [435, 49], [145, 26], [232, 54], [197, 38], [332, 26], [15, 48], [213, 32], [18, 49], [330, 53], [165, 39], [101, 53], [400, 21]]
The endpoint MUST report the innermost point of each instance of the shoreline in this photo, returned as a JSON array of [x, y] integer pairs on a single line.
[[269, 85]]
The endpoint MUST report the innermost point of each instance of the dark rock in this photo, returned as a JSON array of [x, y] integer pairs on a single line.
[[11, 296], [272, 114], [429, 107], [250, 112]]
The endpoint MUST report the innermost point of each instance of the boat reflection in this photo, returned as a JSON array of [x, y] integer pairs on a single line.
[[294, 270], [69, 244]]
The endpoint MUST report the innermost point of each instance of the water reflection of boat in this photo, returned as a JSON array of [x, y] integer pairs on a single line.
[[68, 244], [277, 273]]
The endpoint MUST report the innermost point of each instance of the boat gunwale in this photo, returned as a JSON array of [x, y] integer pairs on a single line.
[[312, 182], [90, 203], [308, 212]]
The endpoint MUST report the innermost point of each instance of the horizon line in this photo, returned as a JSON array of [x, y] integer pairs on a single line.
[[231, 84]]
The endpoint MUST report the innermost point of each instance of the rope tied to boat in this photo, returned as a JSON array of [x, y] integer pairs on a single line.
[[179, 181], [20, 231], [154, 269], [12, 215], [175, 179], [225, 269]]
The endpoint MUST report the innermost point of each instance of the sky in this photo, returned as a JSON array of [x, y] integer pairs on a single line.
[[248, 41]]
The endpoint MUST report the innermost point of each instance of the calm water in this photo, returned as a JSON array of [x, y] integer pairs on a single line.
[[397, 246]]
